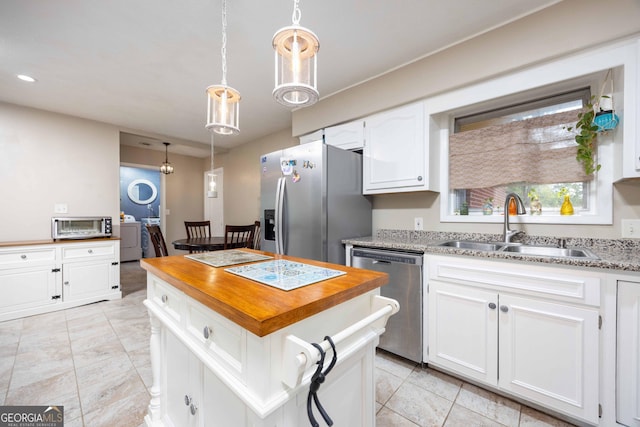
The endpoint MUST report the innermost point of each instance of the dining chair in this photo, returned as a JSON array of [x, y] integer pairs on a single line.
[[198, 229], [157, 239], [256, 236], [238, 236]]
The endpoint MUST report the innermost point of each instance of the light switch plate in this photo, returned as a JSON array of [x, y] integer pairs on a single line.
[[418, 223], [631, 228]]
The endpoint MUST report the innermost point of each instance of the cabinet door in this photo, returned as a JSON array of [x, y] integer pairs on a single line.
[[86, 279], [394, 152], [348, 136], [22, 288], [549, 354], [628, 384], [181, 388], [463, 330]]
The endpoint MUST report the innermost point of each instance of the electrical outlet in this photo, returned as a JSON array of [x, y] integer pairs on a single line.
[[631, 228], [60, 208], [417, 223]]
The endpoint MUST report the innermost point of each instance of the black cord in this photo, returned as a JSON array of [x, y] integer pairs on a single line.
[[316, 380]]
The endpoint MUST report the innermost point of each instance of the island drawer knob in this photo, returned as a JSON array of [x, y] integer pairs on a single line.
[[492, 305], [23, 256], [194, 409], [187, 399], [206, 332], [164, 298], [504, 308], [90, 251]]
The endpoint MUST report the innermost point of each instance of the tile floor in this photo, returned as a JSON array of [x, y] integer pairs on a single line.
[[94, 360]]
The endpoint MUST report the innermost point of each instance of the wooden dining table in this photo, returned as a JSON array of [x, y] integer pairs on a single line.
[[201, 244]]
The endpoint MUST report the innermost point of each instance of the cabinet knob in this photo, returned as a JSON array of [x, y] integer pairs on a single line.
[[206, 332], [419, 178], [194, 409], [164, 299], [504, 308], [187, 399], [90, 251], [492, 305], [23, 256], [66, 283]]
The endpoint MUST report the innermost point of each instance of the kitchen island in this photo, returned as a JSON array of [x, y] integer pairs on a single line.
[[227, 350]]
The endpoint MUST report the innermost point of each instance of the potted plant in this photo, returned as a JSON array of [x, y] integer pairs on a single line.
[[597, 116]]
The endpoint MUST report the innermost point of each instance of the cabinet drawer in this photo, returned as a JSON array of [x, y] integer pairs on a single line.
[[551, 282], [222, 338], [27, 257], [84, 252], [167, 297]]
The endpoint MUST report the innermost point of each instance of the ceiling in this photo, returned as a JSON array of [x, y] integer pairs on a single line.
[[144, 65]]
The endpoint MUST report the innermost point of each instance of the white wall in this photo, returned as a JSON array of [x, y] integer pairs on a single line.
[[48, 158], [562, 29]]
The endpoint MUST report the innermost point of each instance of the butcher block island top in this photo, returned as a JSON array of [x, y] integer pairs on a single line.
[[259, 308]]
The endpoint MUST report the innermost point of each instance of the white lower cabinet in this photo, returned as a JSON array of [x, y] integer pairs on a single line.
[[29, 287], [221, 374], [628, 381], [37, 279], [89, 270], [500, 326], [194, 395]]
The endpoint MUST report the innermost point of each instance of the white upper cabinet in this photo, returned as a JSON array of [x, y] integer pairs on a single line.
[[396, 155], [311, 137], [348, 136]]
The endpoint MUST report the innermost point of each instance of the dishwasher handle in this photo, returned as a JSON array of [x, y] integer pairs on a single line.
[[388, 257]]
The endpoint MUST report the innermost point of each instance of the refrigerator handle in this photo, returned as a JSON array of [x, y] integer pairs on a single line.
[[279, 216]]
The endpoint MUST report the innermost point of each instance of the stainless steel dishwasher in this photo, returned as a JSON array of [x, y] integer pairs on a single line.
[[403, 334]]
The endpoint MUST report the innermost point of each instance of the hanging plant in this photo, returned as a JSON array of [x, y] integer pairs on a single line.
[[593, 120], [586, 134]]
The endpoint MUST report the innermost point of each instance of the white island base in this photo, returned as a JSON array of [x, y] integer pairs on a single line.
[[209, 371]]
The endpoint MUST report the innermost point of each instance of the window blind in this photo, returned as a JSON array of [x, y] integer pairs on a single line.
[[537, 150]]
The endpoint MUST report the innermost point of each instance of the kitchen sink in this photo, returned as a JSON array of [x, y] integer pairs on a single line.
[[477, 246], [520, 249], [550, 251]]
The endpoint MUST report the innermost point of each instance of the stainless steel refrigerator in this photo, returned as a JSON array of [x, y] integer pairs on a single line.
[[311, 198]]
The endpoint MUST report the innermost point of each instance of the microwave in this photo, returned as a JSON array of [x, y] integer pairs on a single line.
[[88, 227]]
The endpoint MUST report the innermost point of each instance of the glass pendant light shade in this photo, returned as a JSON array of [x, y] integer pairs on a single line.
[[296, 51], [223, 109], [166, 167], [212, 191]]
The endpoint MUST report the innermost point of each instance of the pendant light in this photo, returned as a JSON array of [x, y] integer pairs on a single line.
[[296, 51], [166, 167], [212, 191], [223, 107]]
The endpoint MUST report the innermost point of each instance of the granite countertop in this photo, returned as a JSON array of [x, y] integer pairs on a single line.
[[613, 254]]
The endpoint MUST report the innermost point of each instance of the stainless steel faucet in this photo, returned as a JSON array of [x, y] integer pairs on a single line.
[[520, 210]]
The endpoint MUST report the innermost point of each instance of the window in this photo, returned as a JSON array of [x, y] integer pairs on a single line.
[[523, 148]]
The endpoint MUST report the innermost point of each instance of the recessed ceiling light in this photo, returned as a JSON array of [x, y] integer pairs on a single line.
[[26, 78]]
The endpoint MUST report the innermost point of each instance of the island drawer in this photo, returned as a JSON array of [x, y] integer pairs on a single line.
[[222, 339], [27, 257], [167, 297]]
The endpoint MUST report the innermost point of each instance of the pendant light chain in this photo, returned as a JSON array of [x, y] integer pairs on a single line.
[[223, 49], [212, 151], [295, 17]]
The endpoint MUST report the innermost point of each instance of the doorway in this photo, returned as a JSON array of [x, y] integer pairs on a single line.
[[141, 198]]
